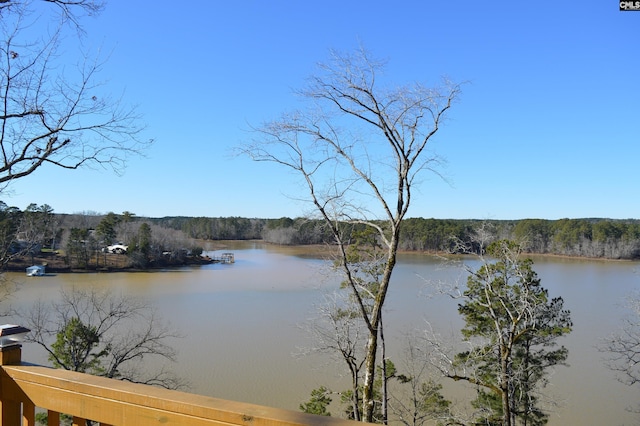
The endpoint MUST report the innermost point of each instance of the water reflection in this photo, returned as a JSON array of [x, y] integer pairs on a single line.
[[241, 322]]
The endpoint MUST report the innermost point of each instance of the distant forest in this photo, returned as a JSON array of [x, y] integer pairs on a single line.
[[595, 238], [40, 226]]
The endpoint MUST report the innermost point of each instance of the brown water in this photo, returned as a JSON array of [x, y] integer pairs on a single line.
[[242, 336]]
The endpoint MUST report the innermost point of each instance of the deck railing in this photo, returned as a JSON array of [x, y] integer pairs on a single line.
[[24, 388]]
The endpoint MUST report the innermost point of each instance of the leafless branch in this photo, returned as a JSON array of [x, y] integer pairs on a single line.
[[358, 149], [623, 346], [51, 114], [128, 332]]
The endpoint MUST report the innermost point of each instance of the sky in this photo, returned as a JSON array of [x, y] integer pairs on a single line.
[[547, 125]]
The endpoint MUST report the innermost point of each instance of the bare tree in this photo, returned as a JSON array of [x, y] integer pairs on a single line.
[[417, 399], [100, 333], [51, 113], [338, 331], [9, 227], [623, 347], [359, 150], [69, 9]]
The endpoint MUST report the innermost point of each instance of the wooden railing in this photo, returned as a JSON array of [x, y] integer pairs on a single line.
[[24, 387]]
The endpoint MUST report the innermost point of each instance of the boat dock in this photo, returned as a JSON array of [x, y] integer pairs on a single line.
[[226, 258]]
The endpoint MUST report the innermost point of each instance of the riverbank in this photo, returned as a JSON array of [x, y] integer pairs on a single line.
[[106, 262], [111, 262]]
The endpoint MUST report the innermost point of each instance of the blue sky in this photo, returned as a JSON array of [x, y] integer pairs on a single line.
[[547, 126]]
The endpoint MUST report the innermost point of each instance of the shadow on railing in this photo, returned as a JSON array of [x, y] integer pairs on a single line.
[[24, 387]]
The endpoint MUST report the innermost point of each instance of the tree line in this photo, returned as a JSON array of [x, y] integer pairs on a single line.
[[82, 234], [81, 240], [593, 237]]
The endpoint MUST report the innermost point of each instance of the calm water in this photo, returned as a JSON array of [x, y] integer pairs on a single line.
[[242, 336]]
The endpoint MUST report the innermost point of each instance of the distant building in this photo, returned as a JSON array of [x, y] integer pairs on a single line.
[[35, 271]]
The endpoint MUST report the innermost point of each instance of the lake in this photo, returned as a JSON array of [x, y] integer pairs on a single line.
[[243, 338]]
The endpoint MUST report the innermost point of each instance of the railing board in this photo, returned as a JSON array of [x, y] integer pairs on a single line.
[[120, 403]]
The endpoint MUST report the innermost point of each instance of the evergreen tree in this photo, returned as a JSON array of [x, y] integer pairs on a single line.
[[107, 228], [318, 403], [513, 327], [76, 348], [140, 250], [78, 247]]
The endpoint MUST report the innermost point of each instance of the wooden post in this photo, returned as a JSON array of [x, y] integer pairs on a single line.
[[29, 413], [79, 421], [10, 406], [53, 417], [11, 355]]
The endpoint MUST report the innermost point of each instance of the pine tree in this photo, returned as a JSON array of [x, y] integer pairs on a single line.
[[76, 348], [318, 403], [513, 327]]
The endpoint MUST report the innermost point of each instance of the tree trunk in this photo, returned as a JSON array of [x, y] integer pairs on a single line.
[[385, 398], [504, 388], [372, 342], [369, 377], [355, 398]]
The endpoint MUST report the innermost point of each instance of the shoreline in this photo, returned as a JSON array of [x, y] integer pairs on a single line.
[[55, 263]]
